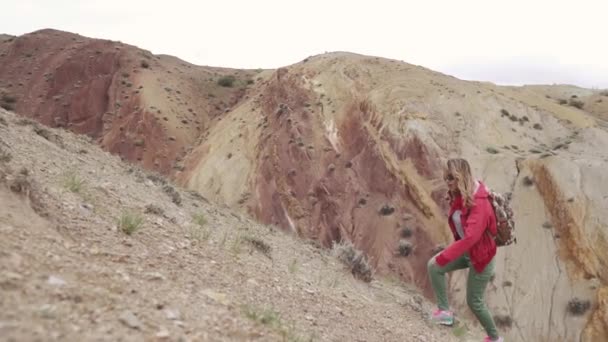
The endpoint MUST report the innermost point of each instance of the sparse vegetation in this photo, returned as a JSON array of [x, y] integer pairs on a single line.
[[406, 233], [21, 183], [271, 318], [503, 321], [43, 132], [604, 93], [199, 219], [259, 245], [5, 156], [73, 182], [576, 103], [528, 181], [128, 222], [154, 209], [386, 210], [578, 307], [354, 259], [226, 81], [405, 247], [175, 196], [8, 102], [491, 150], [293, 266]]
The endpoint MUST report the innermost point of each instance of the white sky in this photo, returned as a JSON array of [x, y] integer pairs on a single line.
[[506, 42]]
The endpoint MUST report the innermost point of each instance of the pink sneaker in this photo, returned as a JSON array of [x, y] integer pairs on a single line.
[[443, 317], [489, 339]]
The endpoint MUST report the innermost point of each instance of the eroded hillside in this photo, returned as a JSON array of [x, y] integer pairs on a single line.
[[146, 108], [343, 146], [349, 147]]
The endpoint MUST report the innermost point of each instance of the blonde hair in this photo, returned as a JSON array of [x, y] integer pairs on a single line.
[[461, 170]]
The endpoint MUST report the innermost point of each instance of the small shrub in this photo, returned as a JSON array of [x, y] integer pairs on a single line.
[[386, 210], [406, 233], [226, 81], [533, 150], [504, 112], [144, 64], [491, 150], [175, 196], [8, 98], [156, 178], [537, 126], [513, 117], [604, 93], [199, 219], [563, 101], [259, 245], [5, 156], [21, 183], [43, 132], [577, 306], [547, 225], [7, 106], [264, 316], [405, 248], [507, 283], [154, 209], [3, 121], [528, 181], [73, 183], [128, 223], [576, 103], [503, 321], [354, 259]]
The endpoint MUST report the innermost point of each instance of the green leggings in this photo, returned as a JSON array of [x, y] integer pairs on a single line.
[[476, 286]]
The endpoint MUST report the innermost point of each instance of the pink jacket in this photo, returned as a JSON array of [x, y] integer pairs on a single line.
[[475, 221]]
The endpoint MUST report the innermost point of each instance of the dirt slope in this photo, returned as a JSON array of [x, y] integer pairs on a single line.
[[191, 272]]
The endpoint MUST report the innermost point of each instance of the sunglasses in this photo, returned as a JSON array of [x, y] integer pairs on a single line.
[[450, 177]]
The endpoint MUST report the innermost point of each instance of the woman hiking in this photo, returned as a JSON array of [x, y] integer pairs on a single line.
[[470, 215]]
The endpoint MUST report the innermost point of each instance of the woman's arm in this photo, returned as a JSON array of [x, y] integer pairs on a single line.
[[474, 228]]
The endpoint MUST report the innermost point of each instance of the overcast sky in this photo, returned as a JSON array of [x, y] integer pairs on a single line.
[[505, 42]]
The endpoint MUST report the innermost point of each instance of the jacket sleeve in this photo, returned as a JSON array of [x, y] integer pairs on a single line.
[[474, 228]]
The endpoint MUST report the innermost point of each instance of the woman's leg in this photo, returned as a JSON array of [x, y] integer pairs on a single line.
[[437, 276], [476, 287]]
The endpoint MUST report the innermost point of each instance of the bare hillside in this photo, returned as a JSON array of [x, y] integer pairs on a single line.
[[146, 108]]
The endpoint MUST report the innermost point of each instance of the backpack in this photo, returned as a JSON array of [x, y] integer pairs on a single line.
[[505, 226]]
